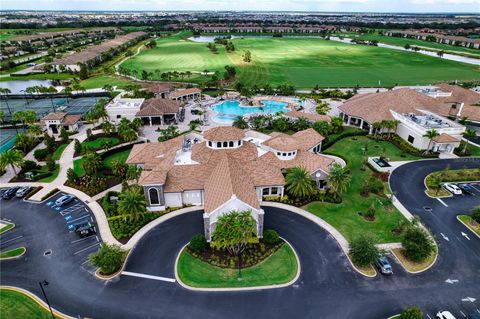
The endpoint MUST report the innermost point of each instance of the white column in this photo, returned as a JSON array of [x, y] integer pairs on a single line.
[[150, 120]]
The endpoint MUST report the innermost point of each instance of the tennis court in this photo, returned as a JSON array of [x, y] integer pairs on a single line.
[[7, 138], [80, 105]]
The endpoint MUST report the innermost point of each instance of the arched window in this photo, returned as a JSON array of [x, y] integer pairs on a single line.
[[231, 144], [154, 198], [219, 144], [210, 143], [225, 144]]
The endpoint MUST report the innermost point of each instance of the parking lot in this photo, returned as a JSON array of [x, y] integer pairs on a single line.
[[460, 202], [59, 219]]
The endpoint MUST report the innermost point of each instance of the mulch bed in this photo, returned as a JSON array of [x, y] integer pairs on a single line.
[[251, 256]]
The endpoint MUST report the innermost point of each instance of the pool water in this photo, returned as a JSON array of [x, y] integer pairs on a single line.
[[229, 110]]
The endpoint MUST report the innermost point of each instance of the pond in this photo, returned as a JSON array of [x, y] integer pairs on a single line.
[[18, 86]]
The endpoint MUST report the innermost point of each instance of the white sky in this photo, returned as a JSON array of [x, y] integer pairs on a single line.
[[467, 6]]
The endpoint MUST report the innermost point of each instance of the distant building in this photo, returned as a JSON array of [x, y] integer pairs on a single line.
[[54, 122]]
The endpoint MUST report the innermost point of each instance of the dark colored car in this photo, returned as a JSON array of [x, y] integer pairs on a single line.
[[65, 199], [384, 266], [9, 193], [467, 189], [85, 230]]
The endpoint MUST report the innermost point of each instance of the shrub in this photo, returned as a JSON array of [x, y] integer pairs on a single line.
[[198, 243], [89, 134], [77, 147], [370, 213], [417, 244], [363, 250], [50, 165], [41, 154], [412, 313], [476, 214], [271, 237], [29, 166], [109, 258], [42, 175], [375, 185]]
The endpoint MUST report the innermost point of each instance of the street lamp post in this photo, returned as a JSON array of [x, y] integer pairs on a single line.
[[42, 284]]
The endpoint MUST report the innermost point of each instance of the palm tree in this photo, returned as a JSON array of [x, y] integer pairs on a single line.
[[4, 92], [338, 178], [193, 125], [35, 130], [136, 124], [128, 135], [430, 134], [119, 168], [377, 126], [299, 183], [240, 123], [301, 124], [13, 158], [23, 141], [132, 204], [108, 128], [92, 163], [469, 134]]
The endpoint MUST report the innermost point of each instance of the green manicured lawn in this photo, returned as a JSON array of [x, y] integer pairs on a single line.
[[344, 217], [78, 167], [16, 305], [120, 156], [475, 227], [101, 80], [13, 252], [279, 268], [474, 150], [96, 144], [301, 62], [6, 227], [54, 175], [403, 41], [58, 152]]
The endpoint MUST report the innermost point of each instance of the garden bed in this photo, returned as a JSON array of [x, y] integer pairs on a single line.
[[460, 175], [12, 253], [412, 266], [281, 267], [470, 223]]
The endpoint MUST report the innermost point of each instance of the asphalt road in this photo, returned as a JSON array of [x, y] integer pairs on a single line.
[[327, 288]]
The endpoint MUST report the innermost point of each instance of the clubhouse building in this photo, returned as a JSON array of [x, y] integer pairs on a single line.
[[225, 169], [415, 113]]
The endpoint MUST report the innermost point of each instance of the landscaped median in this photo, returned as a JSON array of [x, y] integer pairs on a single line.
[[434, 181], [279, 269], [470, 222], [13, 253]]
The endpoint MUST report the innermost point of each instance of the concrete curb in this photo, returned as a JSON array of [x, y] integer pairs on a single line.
[[466, 225], [291, 282], [39, 301], [15, 257], [426, 189], [418, 271], [342, 241], [10, 223]]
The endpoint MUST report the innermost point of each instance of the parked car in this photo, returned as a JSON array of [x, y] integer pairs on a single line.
[[384, 266], [452, 188], [65, 199], [10, 193], [85, 230], [466, 188], [22, 191], [445, 315]]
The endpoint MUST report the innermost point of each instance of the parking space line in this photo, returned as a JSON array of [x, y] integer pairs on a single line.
[[442, 202], [429, 316], [81, 239], [86, 261], [86, 248], [134, 274], [84, 216], [7, 241]]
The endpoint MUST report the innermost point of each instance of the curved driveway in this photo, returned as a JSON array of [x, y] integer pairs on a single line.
[[327, 288]]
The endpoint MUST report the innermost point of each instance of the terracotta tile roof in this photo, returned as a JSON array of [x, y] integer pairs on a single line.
[[153, 152], [159, 87], [376, 107], [445, 138], [181, 93], [158, 107], [54, 116], [224, 133], [202, 153], [308, 139], [282, 142], [186, 177], [309, 116], [311, 162], [461, 95], [228, 178], [71, 119]]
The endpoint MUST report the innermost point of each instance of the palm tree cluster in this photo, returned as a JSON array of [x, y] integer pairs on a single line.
[[389, 126], [12, 157], [299, 183], [132, 204], [128, 131], [97, 112]]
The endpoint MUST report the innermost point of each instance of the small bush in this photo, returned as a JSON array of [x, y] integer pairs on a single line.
[[375, 185], [29, 166], [271, 237], [41, 154], [417, 244], [363, 250], [198, 243], [412, 313], [476, 214], [109, 258]]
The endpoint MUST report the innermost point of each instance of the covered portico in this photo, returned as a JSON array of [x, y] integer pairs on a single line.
[[159, 112]]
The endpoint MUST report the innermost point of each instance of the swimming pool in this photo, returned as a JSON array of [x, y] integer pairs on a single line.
[[229, 110]]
